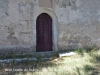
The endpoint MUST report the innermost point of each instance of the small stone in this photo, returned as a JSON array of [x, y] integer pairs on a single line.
[[17, 61], [66, 54], [33, 59], [9, 60], [45, 59], [24, 59]]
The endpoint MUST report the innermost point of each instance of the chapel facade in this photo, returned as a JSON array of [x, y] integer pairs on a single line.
[[40, 26]]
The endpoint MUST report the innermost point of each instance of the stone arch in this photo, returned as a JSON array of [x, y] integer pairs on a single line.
[[54, 27]]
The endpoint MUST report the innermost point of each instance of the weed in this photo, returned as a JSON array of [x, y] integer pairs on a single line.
[[78, 70]]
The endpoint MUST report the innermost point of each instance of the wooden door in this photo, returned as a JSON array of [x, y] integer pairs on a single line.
[[44, 33]]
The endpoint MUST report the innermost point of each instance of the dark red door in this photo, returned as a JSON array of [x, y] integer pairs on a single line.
[[44, 33]]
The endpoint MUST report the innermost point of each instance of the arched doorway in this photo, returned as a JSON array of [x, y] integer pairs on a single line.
[[43, 33], [54, 30]]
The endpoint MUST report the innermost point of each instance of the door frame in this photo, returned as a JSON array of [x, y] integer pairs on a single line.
[[54, 27]]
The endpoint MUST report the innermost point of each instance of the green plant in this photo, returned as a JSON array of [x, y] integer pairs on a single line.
[[78, 70]]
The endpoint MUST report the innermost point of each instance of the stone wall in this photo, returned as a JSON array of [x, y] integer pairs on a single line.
[[16, 22], [79, 23], [16, 26]]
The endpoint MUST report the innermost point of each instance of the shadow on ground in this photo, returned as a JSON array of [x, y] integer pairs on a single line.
[[25, 66], [34, 66], [92, 69]]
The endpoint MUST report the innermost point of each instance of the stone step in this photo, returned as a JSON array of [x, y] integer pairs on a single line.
[[19, 60]]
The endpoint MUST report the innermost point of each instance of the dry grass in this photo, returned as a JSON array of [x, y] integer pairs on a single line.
[[85, 64]]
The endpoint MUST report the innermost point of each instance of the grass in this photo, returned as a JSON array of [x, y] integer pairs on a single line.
[[15, 56], [83, 63]]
